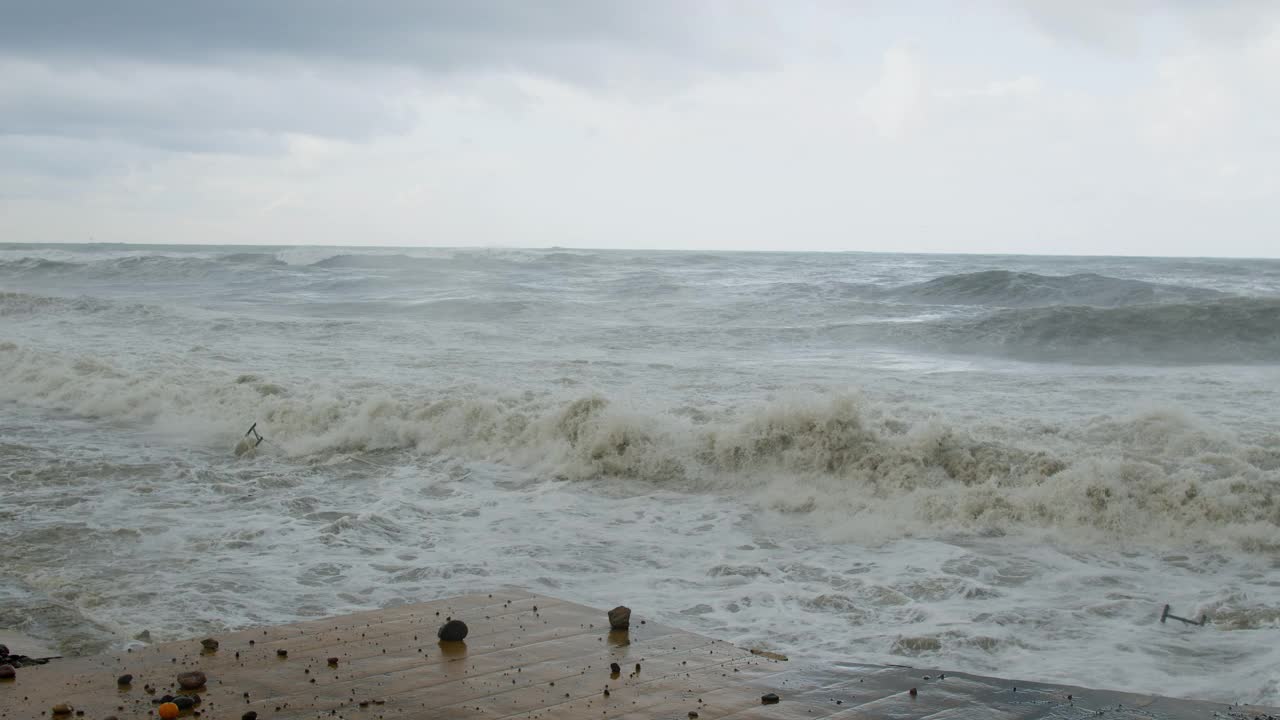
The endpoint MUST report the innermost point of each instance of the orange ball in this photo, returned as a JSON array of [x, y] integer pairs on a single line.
[[168, 711]]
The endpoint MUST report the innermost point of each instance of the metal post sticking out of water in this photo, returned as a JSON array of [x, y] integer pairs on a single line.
[[1166, 615], [253, 431], [249, 442]]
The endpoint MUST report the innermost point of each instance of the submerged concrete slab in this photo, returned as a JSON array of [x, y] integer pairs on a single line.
[[20, 644], [532, 656]]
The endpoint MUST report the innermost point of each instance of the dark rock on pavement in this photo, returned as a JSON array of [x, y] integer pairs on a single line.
[[193, 680], [620, 618], [452, 631]]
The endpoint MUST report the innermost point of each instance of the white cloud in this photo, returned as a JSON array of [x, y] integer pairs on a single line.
[[896, 103], [1022, 85]]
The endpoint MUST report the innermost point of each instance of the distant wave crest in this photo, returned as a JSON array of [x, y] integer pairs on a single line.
[[252, 258], [1005, 288], [363, 260], [1232, 330], [132, 267], [37, 266]]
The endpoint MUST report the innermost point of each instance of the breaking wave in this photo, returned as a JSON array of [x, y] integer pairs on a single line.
[[857, 468]]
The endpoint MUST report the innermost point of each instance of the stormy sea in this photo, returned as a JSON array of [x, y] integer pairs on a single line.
[[997, 464]]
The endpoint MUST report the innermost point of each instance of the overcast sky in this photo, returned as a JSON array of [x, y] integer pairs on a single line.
[[1142, 127]]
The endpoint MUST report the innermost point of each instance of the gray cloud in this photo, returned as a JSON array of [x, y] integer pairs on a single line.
[[433, 34], [234, 75], [1124, 26], [202, 108]]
